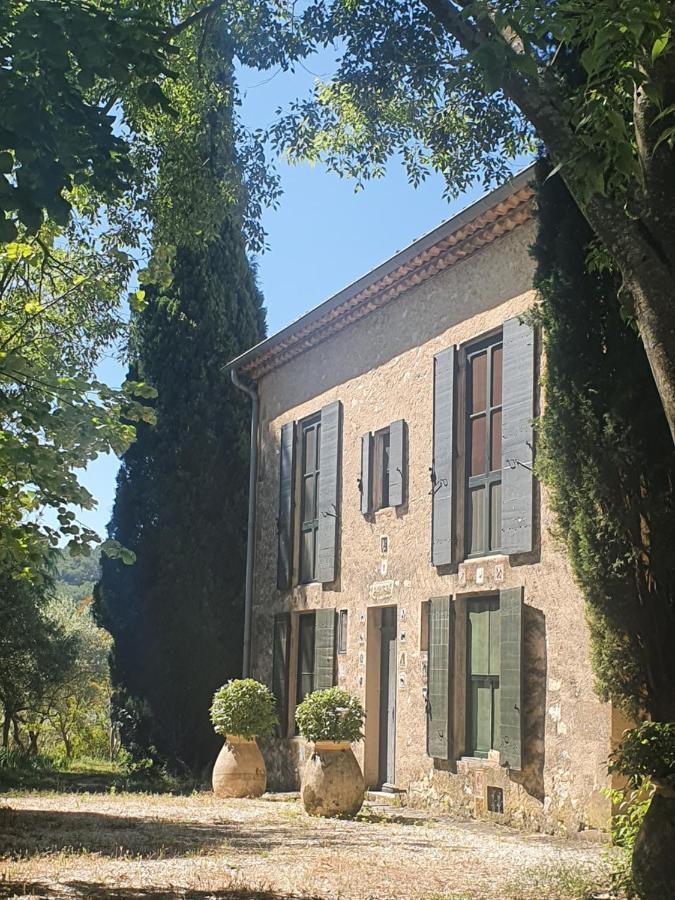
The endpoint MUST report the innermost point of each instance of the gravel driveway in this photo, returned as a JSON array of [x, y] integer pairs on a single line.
[[147, 845]]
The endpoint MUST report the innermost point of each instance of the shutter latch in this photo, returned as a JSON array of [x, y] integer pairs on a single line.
[[325, 513], [436, 485]]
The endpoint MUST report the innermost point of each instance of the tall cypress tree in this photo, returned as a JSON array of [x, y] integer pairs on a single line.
[[176, 615], [607, 459]]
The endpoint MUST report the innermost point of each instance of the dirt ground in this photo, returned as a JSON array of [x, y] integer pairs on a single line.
[[145, 845]]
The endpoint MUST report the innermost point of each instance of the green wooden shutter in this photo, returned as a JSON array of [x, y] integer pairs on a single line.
[[324, 649], [329, 489], [282, 630], [517, 438], [286, 492], [366, 463], [439, 708], [397, 463], [443, 458], [511, 627]]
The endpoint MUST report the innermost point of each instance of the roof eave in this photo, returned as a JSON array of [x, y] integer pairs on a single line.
[[385, 269]]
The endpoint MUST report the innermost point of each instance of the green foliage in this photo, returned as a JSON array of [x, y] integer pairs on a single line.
[[35, 652], [605, 455], [59, 311], [61, 63], [244, 707], [430, 83], [330, 715], [647, 752], [629, 808], [181, 495]]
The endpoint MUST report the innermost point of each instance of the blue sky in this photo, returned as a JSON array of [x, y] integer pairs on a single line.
[[322, 237]]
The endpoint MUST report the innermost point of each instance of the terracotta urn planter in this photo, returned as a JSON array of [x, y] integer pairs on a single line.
[[332, 781], [653, 860], [240, 769]]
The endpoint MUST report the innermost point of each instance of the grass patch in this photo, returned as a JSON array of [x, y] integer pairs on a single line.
[[23, 772], [557, 882]]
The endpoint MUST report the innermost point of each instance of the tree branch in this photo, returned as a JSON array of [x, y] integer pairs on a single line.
[[196, 16]]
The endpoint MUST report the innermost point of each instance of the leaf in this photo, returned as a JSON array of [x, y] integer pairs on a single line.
[[660, 45], [137, 301]]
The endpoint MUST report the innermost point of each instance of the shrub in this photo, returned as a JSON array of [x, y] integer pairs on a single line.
[[647, 751], [629, 809], [330, 715], [244, 707]]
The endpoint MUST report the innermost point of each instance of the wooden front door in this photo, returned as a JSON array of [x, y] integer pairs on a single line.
[[387, 743]]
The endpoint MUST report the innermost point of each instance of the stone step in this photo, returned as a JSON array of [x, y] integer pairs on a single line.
[[395, 799]]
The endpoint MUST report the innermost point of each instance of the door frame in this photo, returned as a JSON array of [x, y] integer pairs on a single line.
[[373, 657]]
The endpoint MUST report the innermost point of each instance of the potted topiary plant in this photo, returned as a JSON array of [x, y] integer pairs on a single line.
[[242, 710], [332, 781], [647, 755]]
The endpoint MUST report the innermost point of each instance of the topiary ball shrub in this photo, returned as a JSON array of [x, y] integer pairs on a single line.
[[244, 707], [330, 715]]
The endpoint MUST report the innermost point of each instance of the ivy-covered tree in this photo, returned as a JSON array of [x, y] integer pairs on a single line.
[[607, 460], [176, 615]]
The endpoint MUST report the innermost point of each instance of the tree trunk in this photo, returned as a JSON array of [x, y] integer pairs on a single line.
[[32, 742], [5, 728], [17, 734], [644, 255], [653, 862]]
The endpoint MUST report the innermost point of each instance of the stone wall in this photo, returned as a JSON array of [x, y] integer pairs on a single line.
[[382, 370]]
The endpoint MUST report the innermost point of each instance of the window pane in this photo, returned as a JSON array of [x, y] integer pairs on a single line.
[[477, 519], [496, 440], [310, 449], [317, 434], [307, 556], [305, 686], [496, 376], [495, 516], [478, 639], [308, 513], [478, 445], [342, 632], [478, 382], [385, 469], [480, 717]]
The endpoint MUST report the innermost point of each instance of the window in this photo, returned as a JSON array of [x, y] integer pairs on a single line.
[[309, 497], [483, 655], [306, 656], [382, 445], [342, 632], [484, 448]]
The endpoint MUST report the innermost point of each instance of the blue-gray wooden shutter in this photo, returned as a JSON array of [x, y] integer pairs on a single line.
[[366, 463], [280, 660], [324, 649], [286, 504], [397, 468], [510, 705], [439, 709], [443, 458], [329, 490], [517, 438]]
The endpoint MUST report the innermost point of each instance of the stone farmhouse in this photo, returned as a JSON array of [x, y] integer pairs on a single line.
[[400, 545]]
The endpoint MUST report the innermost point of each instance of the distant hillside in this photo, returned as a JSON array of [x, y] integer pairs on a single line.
[[78, 574]]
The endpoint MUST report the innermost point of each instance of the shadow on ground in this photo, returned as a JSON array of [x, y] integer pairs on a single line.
[[34, 831], [78, 890], [95, 782]]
